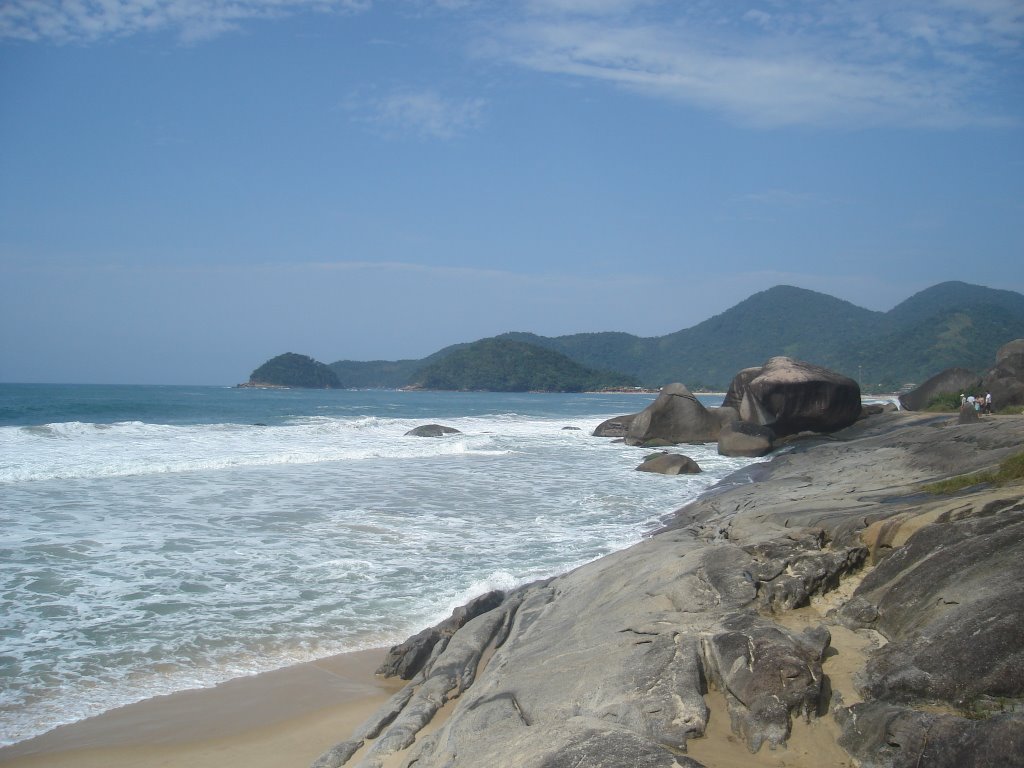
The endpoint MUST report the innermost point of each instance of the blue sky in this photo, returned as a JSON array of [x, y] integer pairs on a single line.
[[188, 188]]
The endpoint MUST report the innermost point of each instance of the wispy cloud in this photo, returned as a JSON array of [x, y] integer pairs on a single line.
[[837, 63], [772, 63], [425, 113], [64, 21]]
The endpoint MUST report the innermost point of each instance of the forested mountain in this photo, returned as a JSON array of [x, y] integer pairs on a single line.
[[512, 366], [950, 324], [779, 321]]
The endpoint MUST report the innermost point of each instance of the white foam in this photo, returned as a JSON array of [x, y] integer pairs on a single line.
[[141, 559], [75, 451]]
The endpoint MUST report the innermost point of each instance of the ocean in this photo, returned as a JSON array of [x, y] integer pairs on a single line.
[[157, 539]]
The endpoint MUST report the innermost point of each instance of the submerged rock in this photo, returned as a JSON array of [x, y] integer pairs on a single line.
[[432, 430]]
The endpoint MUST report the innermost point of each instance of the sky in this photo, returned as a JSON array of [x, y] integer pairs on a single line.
[[190, 187]]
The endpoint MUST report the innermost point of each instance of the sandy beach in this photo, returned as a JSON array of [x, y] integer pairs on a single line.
[[277, 719]]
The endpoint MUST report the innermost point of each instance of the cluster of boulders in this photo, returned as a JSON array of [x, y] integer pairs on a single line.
[[1005, 380], [783, 397]]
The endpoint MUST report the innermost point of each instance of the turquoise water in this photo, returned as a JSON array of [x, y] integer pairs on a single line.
[[154, 539]]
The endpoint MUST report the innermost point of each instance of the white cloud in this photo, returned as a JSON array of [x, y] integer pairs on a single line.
[[823, 63], [425, 113], [64, 21]]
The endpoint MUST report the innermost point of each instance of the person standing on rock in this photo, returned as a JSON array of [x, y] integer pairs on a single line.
[[963, 399], [988, 402]]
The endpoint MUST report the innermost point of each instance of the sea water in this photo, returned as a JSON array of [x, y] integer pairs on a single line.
[[155, 539]]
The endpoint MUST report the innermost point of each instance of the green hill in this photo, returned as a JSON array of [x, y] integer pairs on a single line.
[[949, 324], [292, 370], [502, 365]]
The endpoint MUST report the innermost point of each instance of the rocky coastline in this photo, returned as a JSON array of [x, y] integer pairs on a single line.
[[821, 592]]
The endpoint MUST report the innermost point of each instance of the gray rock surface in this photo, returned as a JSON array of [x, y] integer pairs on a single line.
[[406, 659], [741, 438], [886, 736], [610, 664]]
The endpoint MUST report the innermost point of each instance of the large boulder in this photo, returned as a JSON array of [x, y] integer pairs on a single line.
[[951, 380], [670, 464], [741, 438], [791, 396], [1006, 380], [675, 416]]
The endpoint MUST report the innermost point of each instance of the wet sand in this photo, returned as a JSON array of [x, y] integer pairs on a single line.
[[279, 719]]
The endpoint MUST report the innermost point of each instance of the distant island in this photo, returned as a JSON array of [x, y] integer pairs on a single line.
[[293, 370], [949, 324]]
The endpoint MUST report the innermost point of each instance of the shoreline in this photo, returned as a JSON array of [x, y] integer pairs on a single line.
[[278, 719], [290, 716]]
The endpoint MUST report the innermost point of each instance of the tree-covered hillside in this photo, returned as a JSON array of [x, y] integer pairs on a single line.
[[293, 370], [950, 324], [502, 365]]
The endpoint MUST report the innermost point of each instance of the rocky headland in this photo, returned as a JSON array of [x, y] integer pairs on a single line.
[[821, 593]]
